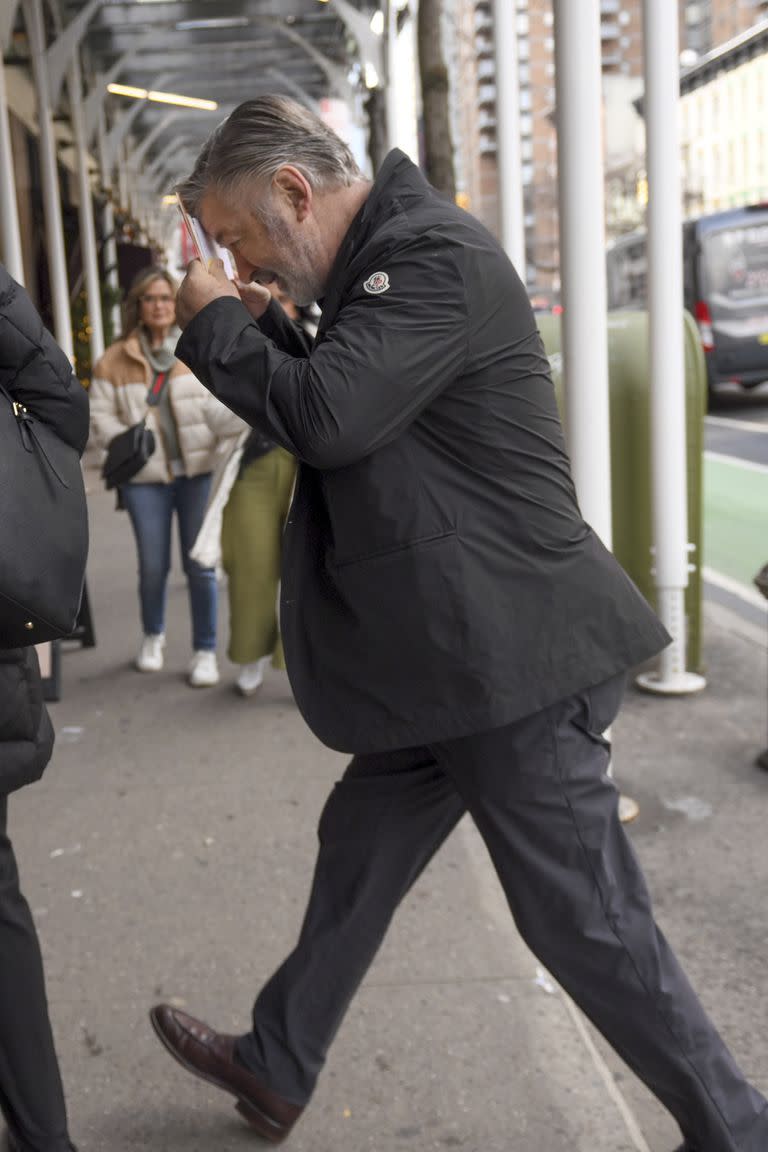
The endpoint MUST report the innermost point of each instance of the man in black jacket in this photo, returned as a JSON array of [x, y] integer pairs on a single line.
[[448, 616], [36, 373]]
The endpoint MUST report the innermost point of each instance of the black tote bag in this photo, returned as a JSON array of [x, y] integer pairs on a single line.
[[43, 530]]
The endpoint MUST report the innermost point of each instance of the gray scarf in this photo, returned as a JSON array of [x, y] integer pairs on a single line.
[[163, 358]]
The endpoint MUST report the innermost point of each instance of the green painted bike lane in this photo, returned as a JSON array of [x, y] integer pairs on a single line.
[[735, 518]]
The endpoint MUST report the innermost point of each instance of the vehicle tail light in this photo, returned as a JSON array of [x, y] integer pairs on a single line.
[[704, 321]]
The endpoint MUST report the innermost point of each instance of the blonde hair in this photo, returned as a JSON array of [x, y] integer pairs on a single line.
[[132, 302]]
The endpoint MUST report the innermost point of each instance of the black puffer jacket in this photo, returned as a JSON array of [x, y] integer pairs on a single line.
[[36, 372], [26, 732]]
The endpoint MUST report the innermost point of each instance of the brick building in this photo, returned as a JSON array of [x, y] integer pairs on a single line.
[[704, 24]]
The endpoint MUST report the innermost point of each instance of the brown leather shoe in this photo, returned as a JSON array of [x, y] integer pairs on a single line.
[[212, 1057]]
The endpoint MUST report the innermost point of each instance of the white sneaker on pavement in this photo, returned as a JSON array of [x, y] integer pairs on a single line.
[[203, 670], [251, 676], [150, 657]]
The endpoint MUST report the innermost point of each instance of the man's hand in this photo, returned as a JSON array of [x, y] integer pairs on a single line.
[[255, 297], [199, 287]]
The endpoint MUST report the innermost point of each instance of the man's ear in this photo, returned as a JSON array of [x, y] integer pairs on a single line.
[[294, 189]]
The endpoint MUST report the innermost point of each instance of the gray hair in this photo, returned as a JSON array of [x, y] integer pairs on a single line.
[[257, 139]]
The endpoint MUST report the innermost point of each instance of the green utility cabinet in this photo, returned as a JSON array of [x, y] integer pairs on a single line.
[[631, 451]]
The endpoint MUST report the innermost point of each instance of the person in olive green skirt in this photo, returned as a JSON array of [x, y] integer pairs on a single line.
[[251, 538], [243, 528]]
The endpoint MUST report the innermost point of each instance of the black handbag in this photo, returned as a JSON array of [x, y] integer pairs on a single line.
[[127, 454], [43, 530], [129, 451]]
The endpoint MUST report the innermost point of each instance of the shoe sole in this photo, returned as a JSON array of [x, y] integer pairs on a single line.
[[258, 1120]]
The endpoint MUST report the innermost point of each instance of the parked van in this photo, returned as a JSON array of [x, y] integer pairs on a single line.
[[725, 286]]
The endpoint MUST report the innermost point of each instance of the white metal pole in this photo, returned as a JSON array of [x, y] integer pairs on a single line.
[[582, 256], [508, 150], [54, 229], [390, 58], [110, 242], [87, 226], [581, 201], [666, 339], [9, 214]]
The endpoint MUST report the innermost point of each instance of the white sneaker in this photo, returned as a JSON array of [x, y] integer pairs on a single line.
[[204, 670], [251, 676], [150, 658]]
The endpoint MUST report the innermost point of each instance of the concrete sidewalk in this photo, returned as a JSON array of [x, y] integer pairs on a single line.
[[168, 851]]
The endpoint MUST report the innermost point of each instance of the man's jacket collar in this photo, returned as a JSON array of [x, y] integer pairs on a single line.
[[397, 180]]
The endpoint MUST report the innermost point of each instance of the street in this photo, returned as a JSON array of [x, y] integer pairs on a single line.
[[736, 500]]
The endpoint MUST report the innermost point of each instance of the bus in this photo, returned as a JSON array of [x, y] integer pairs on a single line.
[[725, 286]]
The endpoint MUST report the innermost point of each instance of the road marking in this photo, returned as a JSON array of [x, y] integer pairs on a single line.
[[735, 588], [741, 425], [735, 502], [736, 461]]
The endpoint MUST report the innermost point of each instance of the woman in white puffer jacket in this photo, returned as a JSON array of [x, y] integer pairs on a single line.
[[177, 477]]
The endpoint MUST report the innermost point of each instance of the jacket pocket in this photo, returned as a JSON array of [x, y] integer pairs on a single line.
[[392, 550], [404, 610]]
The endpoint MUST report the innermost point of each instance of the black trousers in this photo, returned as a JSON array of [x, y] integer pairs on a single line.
[[540, 796], [31, 1096]]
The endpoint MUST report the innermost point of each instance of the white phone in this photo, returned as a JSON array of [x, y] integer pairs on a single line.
[[205, 246]]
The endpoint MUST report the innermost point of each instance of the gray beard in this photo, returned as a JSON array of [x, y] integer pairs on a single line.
[[303, 290]]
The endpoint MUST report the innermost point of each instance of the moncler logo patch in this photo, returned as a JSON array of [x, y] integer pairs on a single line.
[[377, 283]]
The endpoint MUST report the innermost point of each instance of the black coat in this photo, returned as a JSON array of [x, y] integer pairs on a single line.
[[438, 578], [26, 733], [38, 374], [35, 370]]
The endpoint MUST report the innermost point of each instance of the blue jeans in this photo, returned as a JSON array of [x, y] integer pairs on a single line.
[[151, 507]]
